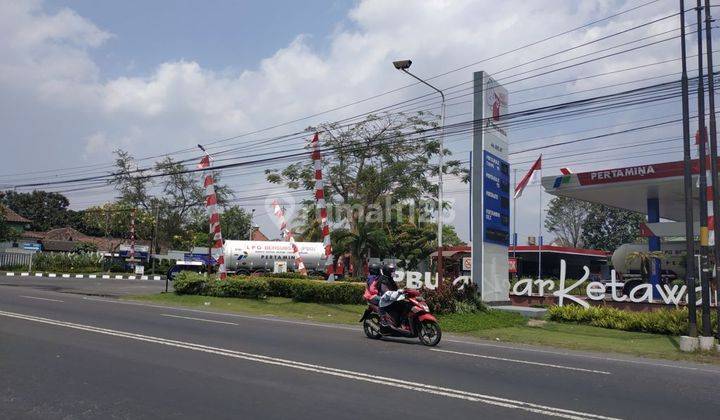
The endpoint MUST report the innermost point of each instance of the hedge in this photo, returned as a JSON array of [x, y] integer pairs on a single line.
[[664, 321], [317, 291], [288, 275], [189, 283]]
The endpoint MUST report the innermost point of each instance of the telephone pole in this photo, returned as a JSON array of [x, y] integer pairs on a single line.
[[713, 149], [704, 284], [687, 178]]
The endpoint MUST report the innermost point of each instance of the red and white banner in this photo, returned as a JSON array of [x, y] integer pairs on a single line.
[[526, 179], [216, 251], [288, 236], [322, 207], [133, 212], [709, 200]]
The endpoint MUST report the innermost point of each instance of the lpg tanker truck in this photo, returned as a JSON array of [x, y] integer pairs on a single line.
[[245, 257]]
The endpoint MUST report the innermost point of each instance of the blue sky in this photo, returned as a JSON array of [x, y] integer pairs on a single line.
[[221, 34]]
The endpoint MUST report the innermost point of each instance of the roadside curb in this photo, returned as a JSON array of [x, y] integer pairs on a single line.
[[83, 276]]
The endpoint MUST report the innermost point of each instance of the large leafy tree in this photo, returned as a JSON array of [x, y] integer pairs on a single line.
[[381, 160], [236, 223], [607, 228], [47, 210], [173, 193], [565, 218], [113, 220]]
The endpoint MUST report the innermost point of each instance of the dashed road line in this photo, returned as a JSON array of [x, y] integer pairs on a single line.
[[199, 319], [41, 298], [527, 362]]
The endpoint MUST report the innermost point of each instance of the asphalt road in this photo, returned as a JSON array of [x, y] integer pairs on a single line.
[[65, 352]]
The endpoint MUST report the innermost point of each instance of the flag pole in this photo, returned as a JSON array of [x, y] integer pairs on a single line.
[[540, 241]]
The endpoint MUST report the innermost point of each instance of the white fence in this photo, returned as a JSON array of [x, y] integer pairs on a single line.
[[8, 259]]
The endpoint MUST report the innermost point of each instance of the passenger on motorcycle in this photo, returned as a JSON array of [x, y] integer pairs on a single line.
[[389, 294], [372, 294]]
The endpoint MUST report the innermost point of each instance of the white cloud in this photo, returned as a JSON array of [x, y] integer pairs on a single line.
[[46, 61]]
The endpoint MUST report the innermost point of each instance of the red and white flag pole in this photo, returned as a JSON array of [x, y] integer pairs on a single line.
[[132, 236], [322, 207], [288, 236], [216, 251]]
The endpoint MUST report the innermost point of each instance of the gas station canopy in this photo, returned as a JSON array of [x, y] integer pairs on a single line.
[[630, 188]]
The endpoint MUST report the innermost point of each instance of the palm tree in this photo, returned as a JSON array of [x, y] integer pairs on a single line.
[[308, 228], [645, 258], [360, 242]]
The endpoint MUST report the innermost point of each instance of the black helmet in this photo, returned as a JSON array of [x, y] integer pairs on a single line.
[[374, 269], [388, 269]]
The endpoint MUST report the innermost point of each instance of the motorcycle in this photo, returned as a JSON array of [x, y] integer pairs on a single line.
[[416, 321]]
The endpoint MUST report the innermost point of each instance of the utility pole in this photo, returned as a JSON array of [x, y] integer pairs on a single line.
[[153, 243], [713, 150], [514, 221], [252, 216], [687, 178], [704, 284]]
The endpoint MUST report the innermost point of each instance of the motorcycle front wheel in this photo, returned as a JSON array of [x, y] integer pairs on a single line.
[[371, 326], [430, 333]]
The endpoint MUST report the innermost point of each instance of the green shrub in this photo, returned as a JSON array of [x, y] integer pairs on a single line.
[[190, 283], [449, 299], [316, 291], [238, 287], [664, 321], [353, 279], [67, 262], [290, 275], [280, 287]]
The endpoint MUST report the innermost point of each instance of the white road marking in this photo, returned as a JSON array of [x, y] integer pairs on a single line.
[[24, 274], [105, 276], [38, 274], [200, 311], [558, 352], [40, 298], [9, 274], [52, 275], [527, 362], [586, 356], [66, 276], [199, 319], [78, 276], [92, 276], [325, 370]]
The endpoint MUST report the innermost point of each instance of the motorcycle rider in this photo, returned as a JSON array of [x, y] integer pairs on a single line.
[[388, 290]]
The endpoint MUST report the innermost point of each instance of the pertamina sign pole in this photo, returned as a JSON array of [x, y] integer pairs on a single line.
[[490, 190]]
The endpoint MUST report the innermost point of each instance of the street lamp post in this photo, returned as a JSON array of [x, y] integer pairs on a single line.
[[404, 65], [252, 217]]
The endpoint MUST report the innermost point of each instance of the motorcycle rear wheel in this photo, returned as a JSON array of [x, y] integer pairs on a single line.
[[430, 333], [371, 326]]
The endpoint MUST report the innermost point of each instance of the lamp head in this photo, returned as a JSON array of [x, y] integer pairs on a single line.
[[402, 64]]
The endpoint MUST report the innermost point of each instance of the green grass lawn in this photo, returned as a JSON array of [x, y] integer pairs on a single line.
[[492, 325]]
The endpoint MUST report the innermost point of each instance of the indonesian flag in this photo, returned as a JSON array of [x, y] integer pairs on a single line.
[[526, 179]]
